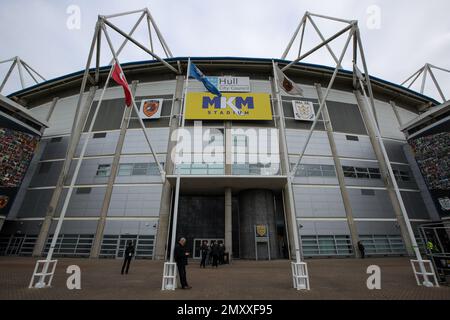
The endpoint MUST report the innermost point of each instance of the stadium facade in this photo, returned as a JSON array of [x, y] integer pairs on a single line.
[[340, 190], [20, 132]]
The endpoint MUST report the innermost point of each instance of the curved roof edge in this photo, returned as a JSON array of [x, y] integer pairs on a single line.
[[327, 68]]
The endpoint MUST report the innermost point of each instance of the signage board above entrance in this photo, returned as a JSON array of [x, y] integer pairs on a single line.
[[230, 106], [231, 84]]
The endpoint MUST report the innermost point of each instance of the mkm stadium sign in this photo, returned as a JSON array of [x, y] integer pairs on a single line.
[[230, 106]]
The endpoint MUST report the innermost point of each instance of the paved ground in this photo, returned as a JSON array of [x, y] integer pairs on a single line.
[[330, 279]]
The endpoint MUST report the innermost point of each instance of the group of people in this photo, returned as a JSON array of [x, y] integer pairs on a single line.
[[181, 257], [212, 254]]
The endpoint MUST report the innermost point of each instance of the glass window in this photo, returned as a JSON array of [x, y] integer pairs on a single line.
[[349, 172], [103, 170], [352, 138], [140, 169], [199, 168], [314, 170], [362, 173], [328, 170], [216, 169], [374, 173], [153, 169], [83, 190], [125, 169], [99, 135], [301, 170]]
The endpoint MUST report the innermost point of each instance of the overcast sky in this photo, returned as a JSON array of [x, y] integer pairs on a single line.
[[398, 36]]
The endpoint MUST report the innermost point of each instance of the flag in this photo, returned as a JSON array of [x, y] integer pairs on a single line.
[[119, 78], [287, 84], [197, 74]]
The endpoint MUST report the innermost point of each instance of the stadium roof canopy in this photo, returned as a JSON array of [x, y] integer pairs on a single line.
[[391, 90], [20, 116]]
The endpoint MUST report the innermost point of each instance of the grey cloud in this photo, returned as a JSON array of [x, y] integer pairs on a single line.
[[411, 33]]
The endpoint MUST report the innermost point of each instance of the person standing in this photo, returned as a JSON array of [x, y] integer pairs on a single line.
[[204, 253], [361, 249], [210, 254], [129, 253], [221, 253], [181, 256], [215, 254]]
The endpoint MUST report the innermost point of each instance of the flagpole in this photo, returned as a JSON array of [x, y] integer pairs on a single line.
[[286, 156], [177, 185], [186, 91], [72, 185], [160, 168], [169, 281], [299, 269]]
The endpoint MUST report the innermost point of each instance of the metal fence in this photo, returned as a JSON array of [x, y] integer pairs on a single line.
[[437, 246]]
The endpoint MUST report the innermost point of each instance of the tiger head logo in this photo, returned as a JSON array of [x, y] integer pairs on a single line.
[[150, 107]]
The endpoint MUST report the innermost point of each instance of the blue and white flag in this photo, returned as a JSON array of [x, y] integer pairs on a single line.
[[197, 74]]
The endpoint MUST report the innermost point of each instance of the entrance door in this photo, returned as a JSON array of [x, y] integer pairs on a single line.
[[198, 244]]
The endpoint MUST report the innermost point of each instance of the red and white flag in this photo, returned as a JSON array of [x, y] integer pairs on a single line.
[[119, 78], [288, 86]]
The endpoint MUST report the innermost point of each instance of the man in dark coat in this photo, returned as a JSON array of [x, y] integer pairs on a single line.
[[215, 254], [129, 252], [210, 255], [204, 253], [181, 256], [221, 253], [361, 249]]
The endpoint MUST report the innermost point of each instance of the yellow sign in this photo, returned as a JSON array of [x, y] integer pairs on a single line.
[[230, 106]]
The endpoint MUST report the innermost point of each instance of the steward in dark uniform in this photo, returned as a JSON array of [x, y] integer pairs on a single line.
[[204, 253], [129, 253], [181, 256], [215, 254], [221, 253], [361, 249]]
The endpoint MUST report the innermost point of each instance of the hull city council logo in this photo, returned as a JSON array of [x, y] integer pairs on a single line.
[[3, 201], [230, 106]]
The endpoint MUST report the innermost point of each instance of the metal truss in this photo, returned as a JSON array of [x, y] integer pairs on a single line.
[[424, 71], [361, 82], [101, 29], [21, 65], [105, 21]]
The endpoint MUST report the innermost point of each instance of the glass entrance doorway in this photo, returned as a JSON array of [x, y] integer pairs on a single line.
[[202, 217]]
